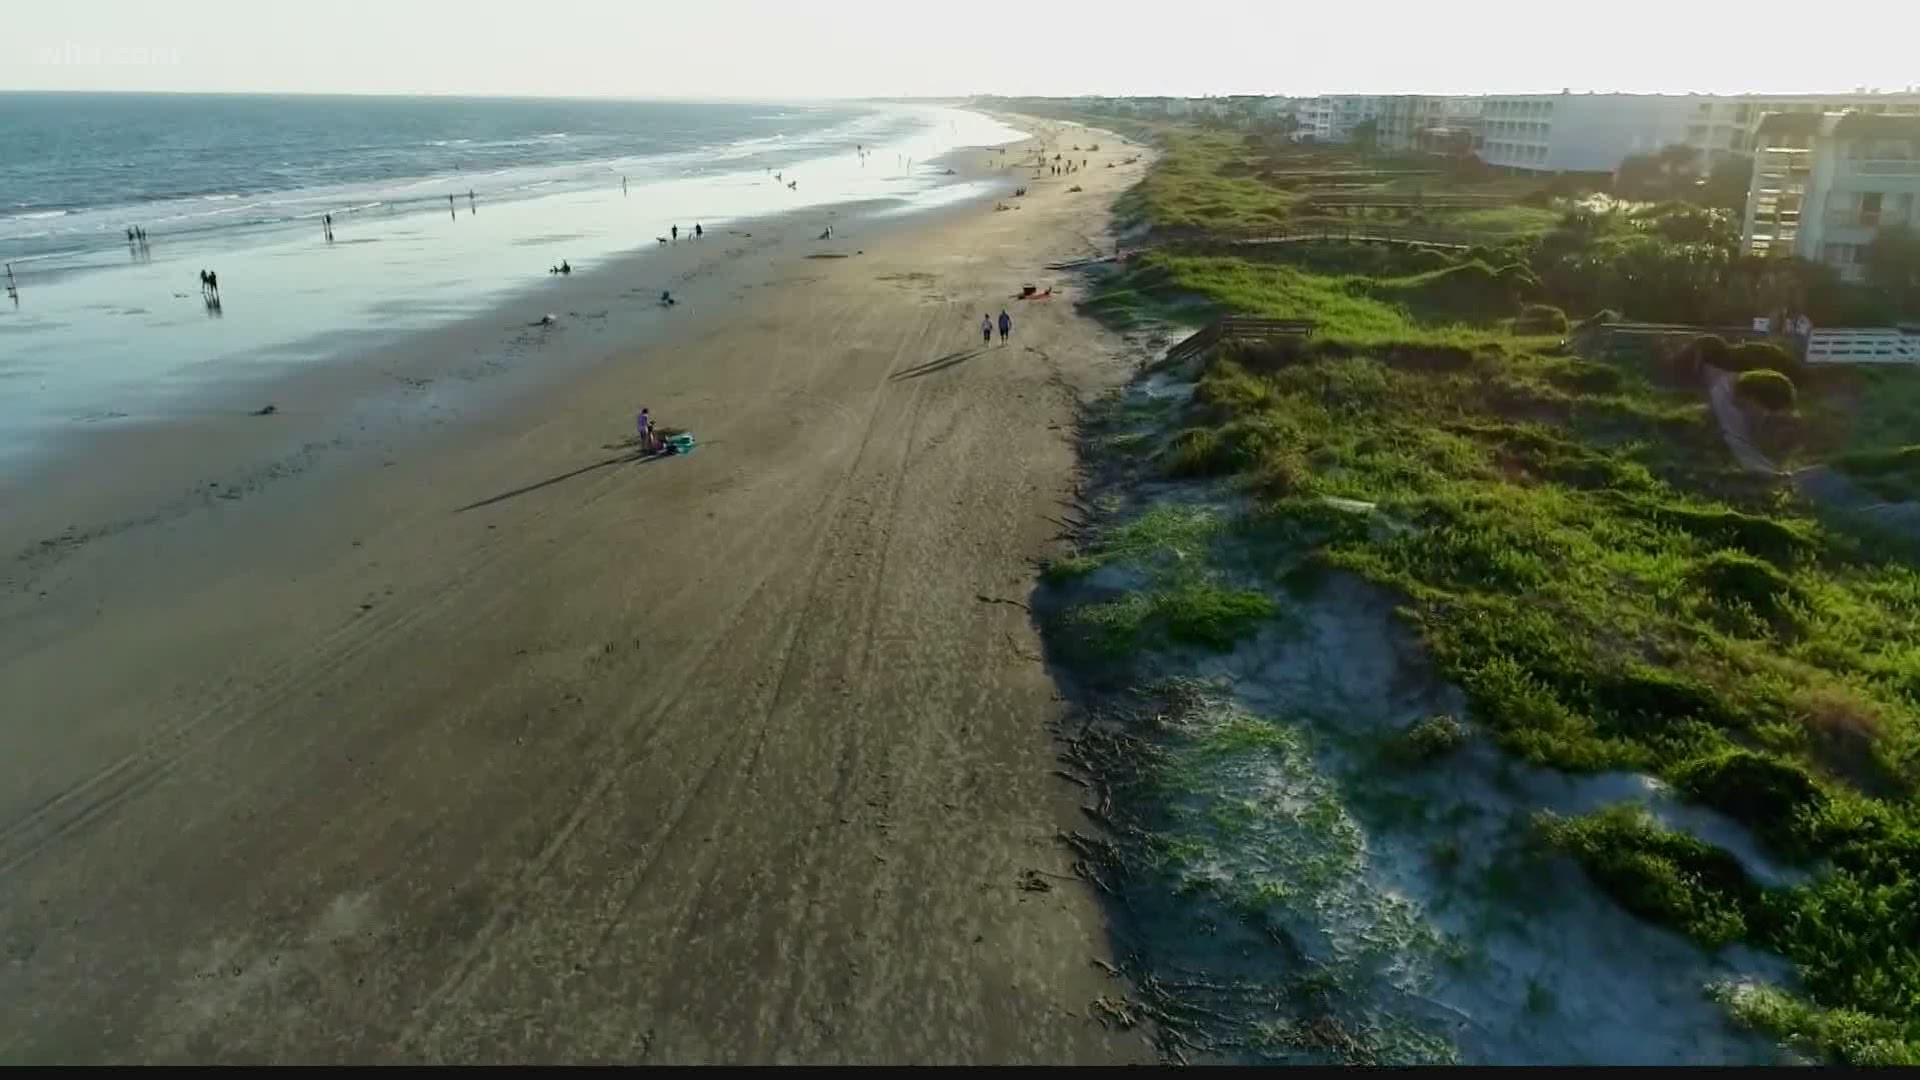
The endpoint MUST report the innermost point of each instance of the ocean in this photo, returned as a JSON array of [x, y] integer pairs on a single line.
[[240, 185]]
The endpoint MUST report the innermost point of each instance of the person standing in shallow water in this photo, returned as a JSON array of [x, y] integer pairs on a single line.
[[676, 232]]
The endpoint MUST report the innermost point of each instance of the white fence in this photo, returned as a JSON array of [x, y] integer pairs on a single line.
[[1863, 347]]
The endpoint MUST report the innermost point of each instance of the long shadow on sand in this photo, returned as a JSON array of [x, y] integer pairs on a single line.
[[940, 364], [636, 456]]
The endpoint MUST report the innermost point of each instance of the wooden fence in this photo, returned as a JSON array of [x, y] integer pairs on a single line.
[[1241, 328]]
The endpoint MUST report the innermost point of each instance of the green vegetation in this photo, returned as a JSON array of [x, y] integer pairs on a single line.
[[1851, 1035], [1758, 356], [1892, 474], [1245, 822], [1605, 606], [1765, 388], [1191, 613], [1428, 739], [1540, 319], [1659, 874], [1208, 180], [1181, 595], [1578, 555]]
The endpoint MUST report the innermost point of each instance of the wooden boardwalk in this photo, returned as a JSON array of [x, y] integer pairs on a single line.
[[1238, 329]]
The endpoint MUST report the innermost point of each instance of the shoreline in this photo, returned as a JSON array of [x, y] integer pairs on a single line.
[[485, 741], [412, 382], [98, 347]]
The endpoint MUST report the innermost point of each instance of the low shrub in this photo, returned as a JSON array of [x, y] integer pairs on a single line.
[[1762, 792], [1660, 875], [1756, 355], [1540, 319], [1201, 452], [1766, 388], [1425, 740], [1733, 578], [1710, 350], [1212, 617]]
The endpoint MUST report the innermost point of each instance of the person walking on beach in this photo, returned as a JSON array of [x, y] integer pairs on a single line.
[[986, 330], [644, 424], [1006, 325], [698, 232], [676, 232]]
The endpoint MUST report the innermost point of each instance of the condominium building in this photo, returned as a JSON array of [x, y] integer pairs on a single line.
[[1824, 184], [1402, 118], [1578, 132], [1721, 127], [1332, 117]]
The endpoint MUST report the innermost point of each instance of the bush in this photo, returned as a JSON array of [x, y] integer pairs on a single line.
[[1710, 350], [1663, 876], [1780, 543], [1540, 319], [1756, 355], [1732, 578], [1764, 793], [1424, 740], [1203, 451], [1213, 617], [1765, 388]]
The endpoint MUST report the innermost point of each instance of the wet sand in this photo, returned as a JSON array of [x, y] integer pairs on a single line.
[[447, 730]]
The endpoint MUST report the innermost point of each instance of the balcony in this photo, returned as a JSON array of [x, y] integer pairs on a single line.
[[1883, 167], [1853, 219]]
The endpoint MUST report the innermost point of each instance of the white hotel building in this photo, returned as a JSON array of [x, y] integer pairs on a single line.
[[1554, 133], [1824, 184]]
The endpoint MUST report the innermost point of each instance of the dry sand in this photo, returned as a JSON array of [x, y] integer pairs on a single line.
[[715, 758]]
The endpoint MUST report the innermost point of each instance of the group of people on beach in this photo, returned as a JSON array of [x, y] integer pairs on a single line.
[[1061, 168], [986, 328]]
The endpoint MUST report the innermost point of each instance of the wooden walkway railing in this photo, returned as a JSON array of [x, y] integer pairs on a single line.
[[1241, 328], [1356, 233]]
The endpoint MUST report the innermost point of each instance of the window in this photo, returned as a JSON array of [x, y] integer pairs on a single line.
[[1837, 254], [1870, 209]]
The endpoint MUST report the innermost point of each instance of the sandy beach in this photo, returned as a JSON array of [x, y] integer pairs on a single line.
[[459, 733]]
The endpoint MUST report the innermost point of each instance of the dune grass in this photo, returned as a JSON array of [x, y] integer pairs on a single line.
[[1603, 609], [1207, 180], [1580, 557], [1609, 596]]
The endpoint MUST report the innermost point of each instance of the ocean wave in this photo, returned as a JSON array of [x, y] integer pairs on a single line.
[[37, 215], [219, 198], [40, 256], [223, 211]]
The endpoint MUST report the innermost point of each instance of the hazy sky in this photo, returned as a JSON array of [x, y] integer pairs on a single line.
[[835, 48]]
